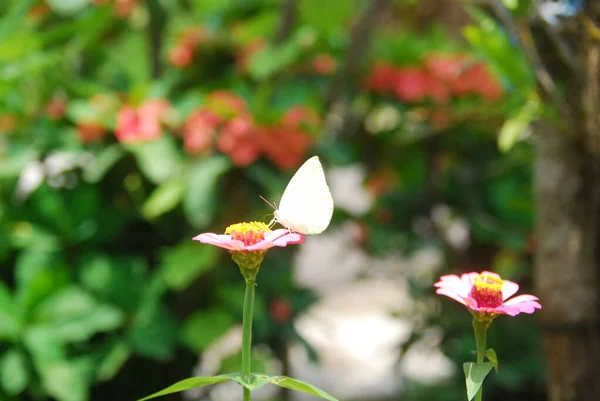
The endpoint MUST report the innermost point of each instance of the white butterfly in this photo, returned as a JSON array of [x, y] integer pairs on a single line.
[[306, 205]]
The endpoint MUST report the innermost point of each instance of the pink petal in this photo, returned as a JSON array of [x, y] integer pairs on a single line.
[[521, 298], [524, 307], [509, 289], [281, 237], [220, 240], [455, 284], [451, 294]]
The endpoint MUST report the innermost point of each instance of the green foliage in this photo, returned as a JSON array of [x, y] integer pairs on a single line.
[[102, 191]]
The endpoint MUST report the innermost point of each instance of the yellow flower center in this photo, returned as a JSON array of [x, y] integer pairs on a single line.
[[487, 291], [249, 233]]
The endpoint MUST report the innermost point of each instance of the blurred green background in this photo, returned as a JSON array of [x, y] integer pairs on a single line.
[[129, 126]]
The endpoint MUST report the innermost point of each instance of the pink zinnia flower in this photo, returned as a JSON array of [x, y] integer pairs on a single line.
[[486, 294], [248, 242]]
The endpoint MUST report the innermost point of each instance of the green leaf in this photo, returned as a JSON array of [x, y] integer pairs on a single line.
[[67, 7], [13, 165], [115, 280], [490, 40], [153, 332], [11, 317], [271, 60], [14, 372], [200, 199], [205, 326], [43, 344], [513, 129], [67, 380], [187, 384], [38, 274], [297, 385], [102, 162], [164, 198], [491, 356], [159, 160], [113, 361], [18, 46], [132, 56], [184, 263], [254, 382], [73, 315], [475, 373]]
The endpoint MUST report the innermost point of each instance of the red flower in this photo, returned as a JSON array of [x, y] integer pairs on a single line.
[[239, 140], [324, 63], [286, 149], [124, 8], [143, 124], [90, 132], [381, 78], [484, 83], [226, 104], [248, 51], [437, 90], [286, 144], [445, 67], [181, 55], [199, 130], [300, 117], [411, 84], [281, 310], [55, 109]]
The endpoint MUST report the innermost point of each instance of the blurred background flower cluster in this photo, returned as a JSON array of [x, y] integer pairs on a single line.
[[129, 126]]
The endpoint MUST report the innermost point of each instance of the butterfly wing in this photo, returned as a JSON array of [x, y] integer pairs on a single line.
[[306, 206]]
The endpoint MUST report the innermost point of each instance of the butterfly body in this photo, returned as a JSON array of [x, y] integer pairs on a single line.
[[306, 206]]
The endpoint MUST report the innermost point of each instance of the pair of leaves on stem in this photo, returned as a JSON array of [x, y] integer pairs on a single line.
[[475, 373], [254, 382]]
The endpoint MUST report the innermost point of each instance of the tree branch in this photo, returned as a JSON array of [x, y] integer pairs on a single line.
[[565, 53], [523, 34], [289, 11], [359, 43]]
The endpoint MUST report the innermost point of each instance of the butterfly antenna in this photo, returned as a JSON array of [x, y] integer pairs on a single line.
[[268, 203]]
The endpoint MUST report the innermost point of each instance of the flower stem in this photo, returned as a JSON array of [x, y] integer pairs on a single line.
[[247, 333], [480, 329]]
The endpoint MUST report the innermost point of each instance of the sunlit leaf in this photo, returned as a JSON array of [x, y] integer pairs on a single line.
[[491, 356], [72, 315], [184, 263], [158, 159], [514, 128], [102, 162], [10, 315], [297, 385], [187, 384], [204, 327], [14, 372], [164, 198], [66, 380], [38, 274], [475, 373], [200, 198], [252, 382], [113, 362], [272, 60]]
